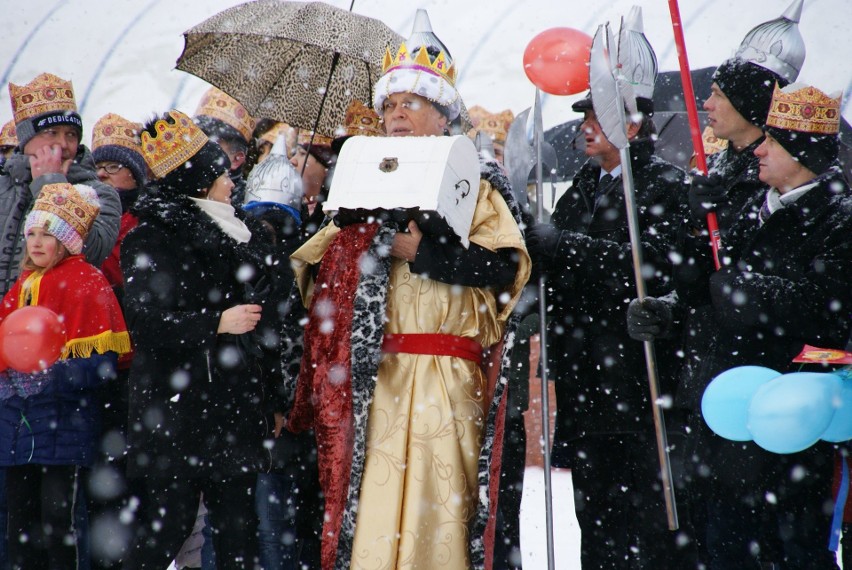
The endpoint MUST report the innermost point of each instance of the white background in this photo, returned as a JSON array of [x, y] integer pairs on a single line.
[[120, 54]]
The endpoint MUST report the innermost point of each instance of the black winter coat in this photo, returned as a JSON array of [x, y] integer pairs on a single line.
[[195, 396], [789, 286], [601, 385]]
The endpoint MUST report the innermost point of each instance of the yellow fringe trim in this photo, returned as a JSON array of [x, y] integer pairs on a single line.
[[30, 288], [107, 341]]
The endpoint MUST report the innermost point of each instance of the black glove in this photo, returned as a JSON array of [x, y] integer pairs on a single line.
[[648, 319], [543, 241], [705, 195]]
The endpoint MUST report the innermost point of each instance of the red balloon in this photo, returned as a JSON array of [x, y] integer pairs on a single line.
[[31, 339], [557, 61]]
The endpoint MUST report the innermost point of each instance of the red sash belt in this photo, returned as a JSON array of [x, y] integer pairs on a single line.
[[436, 344]]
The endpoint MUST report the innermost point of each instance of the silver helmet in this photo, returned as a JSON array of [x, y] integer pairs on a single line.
[[636, 57], [777, 45], [274, 182], [422, 35]]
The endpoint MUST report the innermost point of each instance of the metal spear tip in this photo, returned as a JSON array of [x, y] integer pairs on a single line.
[[794, 11], [422, 35], [280, 146], [633, 21]]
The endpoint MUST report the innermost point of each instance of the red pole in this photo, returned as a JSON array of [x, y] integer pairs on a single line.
[[694, 129]]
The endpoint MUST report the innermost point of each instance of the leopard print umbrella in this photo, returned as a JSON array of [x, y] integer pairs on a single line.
[[301, 63]]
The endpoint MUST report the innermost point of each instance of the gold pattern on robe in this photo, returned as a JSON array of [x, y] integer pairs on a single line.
[[419, 486]]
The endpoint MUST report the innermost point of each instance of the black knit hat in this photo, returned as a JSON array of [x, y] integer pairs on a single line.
[[123, 155], [218, 130], [816, 152], [198, 173], [748, 87], [325, 155]]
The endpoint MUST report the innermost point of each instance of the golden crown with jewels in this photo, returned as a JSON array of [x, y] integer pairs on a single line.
[[440, 66], [174, 143], [112, 129], [360, 120], [805, 109], [45, 94], [7, 135], [217, 104]]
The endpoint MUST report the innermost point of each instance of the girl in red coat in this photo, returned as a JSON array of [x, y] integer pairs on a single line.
[[49, 419]]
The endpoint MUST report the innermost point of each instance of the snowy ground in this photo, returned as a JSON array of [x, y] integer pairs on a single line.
[[533, 525], [566, 532]]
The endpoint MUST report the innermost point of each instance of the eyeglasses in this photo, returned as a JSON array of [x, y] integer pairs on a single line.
[[111, 167]]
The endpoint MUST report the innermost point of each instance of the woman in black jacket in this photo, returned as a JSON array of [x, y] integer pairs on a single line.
[[193, 269]]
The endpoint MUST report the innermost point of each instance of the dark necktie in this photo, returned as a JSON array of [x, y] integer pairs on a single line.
[[764, 212], [603, 187]]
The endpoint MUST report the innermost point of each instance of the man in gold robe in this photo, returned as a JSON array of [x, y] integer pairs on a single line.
[[392, 377]]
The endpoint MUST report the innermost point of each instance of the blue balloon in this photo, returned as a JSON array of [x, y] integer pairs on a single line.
[[726, 400], [840, 428], [791, 412]]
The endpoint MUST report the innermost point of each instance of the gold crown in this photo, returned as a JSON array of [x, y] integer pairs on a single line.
[[112, 129], [318, 139], [77, 206], [174, 143], [7, 135], [403, 60], [44, 94], [219, 105], [806, 110], [712, 144], [278, 129], [496, 125], [360, 120]]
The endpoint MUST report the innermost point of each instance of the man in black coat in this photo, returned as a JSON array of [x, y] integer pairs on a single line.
[[740, 96], [604, 429], [784, 284]]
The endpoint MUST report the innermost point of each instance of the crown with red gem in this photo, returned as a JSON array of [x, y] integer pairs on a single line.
[[7, 135], [804, 109], [45, 94], [219, 105], [175, 143], [112, 129]]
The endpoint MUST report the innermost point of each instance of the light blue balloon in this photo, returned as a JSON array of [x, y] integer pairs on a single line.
[[726, 400], [791, 412], [840, 428]]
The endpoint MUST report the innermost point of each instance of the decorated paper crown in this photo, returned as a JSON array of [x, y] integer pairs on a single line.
[[404, 73], [441, 66], [290, 134], [66, 212], [112, 129], [174, 143], [46, 93], [360, 120], [804, 109], [7, 135], [495, 125], [777, 45], [712, 144], [318, 139], [221, 106]]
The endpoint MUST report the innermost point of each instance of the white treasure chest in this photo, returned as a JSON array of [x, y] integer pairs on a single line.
[[431, 175]]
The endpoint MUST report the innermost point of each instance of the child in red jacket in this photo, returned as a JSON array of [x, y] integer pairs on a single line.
[[49, 420]]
